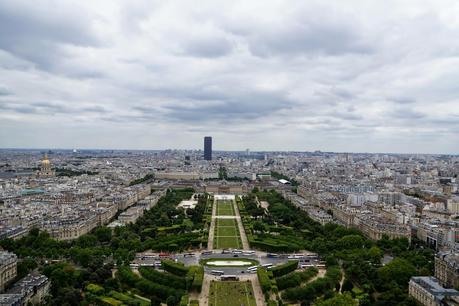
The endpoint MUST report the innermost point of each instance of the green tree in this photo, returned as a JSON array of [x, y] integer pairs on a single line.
[[338, 300], [259, 226], [375, 254], [399, 270], [103, 234]]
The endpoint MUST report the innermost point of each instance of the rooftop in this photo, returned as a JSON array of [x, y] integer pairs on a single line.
[[431, 285]]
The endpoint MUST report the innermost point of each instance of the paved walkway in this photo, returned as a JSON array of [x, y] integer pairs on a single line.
[[245, 242], [257, 292], [225, 217], [204, 296], [210, 242]]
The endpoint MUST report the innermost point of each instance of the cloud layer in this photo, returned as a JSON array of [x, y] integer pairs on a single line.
[[264, 75]]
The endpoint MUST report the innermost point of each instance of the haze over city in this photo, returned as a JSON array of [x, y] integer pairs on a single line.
[[345, 76]]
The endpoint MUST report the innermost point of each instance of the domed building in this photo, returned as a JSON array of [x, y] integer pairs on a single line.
[[45, 168]]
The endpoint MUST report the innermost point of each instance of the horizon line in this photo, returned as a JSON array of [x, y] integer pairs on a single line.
[[255, 151]]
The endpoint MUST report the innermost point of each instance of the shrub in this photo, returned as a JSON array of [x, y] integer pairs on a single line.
[[295, 279], [174, 268], [286, 268], [198, 279], [264, 280], [165, 279], [184, 300], [316, 288], [95, 289]]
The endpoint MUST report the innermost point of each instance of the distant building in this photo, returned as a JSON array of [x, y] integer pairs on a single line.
[[177, 175], [30, 290], [224, 187], [447, 269], [427, 291], [45, 168], [8, 270], [208, 148]]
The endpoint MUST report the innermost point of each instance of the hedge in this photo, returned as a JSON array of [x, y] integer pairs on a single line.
[[286, 268], [296, 278], [273, 247], [146, 287], [264, 280], [315, 288], [149, 288], [184, 300], [127, 299], [95, 289], [174, 267], [198, 279], [105, 300], [165, 279]]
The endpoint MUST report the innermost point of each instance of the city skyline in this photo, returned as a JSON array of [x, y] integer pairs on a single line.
[[329, 76]]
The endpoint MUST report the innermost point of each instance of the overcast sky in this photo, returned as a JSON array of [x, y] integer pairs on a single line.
[[348, 76]]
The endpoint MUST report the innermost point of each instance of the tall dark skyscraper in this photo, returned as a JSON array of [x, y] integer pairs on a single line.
[[208, 148]]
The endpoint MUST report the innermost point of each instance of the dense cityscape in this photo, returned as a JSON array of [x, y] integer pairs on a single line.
[[229, 153], [114, 227]]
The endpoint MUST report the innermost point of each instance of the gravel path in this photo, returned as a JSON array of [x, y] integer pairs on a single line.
[[210, 242], [258, 293]]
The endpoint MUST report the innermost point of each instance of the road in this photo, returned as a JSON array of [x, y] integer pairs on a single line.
[[193, 258]]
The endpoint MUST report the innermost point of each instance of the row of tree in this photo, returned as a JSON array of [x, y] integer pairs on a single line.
[[287, 228]]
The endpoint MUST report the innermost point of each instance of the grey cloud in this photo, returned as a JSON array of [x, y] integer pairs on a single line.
[[35, 36], [5, 92], [208, 47], [406, 113], [94, 109], [47, 108], [308, 37], [345, 115], [160, 68], [51, 107], [402, 99], [343, 93], [18, 108], [233, 106]]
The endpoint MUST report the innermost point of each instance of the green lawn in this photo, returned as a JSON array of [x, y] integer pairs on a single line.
[[225, 208], [227, 234], [227, 231], [225, 222], [227, 242], [231, 294]]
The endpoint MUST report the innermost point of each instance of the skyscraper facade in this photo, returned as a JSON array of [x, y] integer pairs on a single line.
[[208, 148]]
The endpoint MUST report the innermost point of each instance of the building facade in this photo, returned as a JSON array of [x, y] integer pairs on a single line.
[[30, 290], [8, 268], [447, 269], [427, 291], [208, 148]]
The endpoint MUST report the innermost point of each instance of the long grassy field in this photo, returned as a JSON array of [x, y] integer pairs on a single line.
[[231, 294], [227, 234], [225, 208]]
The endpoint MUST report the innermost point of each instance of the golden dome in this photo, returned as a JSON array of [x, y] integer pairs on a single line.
[[45, 160]]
